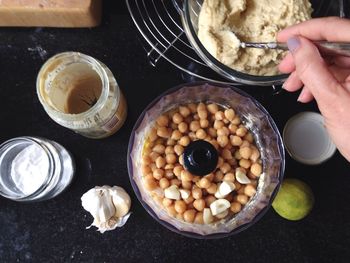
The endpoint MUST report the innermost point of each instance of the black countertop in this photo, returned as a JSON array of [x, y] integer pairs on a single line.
[[54, 230]]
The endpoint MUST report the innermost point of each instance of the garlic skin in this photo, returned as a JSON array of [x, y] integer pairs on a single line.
[[108, 205]]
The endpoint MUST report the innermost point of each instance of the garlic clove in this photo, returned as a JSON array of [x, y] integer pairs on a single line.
[[242, 177], [207, 216], [172, 192], [222, 215], [226, 187], [185, 193], [219, 206], [121, 201]]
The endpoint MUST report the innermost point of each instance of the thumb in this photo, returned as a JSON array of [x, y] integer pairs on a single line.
[[313, 71]]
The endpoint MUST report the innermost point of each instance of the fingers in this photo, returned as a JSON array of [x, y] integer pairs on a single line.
[[287, 64], [313, 71], [293, 83], [305, 96], [330, 28]]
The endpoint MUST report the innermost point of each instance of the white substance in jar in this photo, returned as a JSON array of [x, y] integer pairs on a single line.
[[29, 169]]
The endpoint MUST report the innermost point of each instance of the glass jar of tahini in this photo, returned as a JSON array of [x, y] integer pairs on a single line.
[[81, 94]]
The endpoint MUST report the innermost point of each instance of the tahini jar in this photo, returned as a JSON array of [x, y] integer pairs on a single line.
[[81, 94]]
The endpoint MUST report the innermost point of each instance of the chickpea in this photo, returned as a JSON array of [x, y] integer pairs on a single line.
[[233, 128], [160, 149], [238, 155], [256, 169], [204, 183], [222, 140], [184, 111], [186, 184], [210, 177], [215, 144], [249, 137], [245, 152], [183, 127], [237, 185], [224, 131], [236, 120], [196, 179], [212, 132], [203, 114], [220, 162], [164, 132], [235, 207], [189, 200], [255, 155], [146, 169], [180, 217], [194, 126], [175, 182], [176, 135], [158, 174], [201, 134], [177, 170], [164, 183], [197, 193], [199, 204], [245, 144], [245, 163], [249, 190], [162, 121], [230, 114], [170, 158], [186, 176], [219, 176], [167, 202], [201, 106], [199, 218], [152, 136], [180, 206], [226, 154], [150, 184], [178, 149], [241, 131], [209, 200], [170, 142], [242, 199], [232, 162], [177, 118], [192, 107], [181, 159], [171, 210], [192, 136], [160, 162], [204, 123], [212, 189], [219, 115], [218, 124], [225, 168], [153, 166], [169, 150], [189, 215], [230, 177], [146, 160], [148, 176], [213, 108], [184, 141], [235, 140]]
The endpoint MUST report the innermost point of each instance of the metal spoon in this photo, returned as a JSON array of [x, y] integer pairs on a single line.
[[326, 48]]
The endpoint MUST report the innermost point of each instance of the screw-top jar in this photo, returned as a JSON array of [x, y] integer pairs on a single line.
[[81, 93], [34, 169]]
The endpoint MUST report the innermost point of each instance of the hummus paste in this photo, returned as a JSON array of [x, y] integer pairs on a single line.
[[223, 24]]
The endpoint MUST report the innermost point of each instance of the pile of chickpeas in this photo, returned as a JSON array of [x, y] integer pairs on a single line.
[[162, 160]]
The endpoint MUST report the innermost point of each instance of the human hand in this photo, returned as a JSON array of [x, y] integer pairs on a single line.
[[327, 79]]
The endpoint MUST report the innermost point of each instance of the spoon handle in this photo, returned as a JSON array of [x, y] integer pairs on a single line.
[[326, 48]]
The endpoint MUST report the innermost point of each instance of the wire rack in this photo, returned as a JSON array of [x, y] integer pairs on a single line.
[[160, 25]]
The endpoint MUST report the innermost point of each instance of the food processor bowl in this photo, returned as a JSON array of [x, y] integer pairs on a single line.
[[253, 116]]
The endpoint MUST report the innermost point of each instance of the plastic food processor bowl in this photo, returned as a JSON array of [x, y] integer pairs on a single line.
[[189, 16], [254, 117]]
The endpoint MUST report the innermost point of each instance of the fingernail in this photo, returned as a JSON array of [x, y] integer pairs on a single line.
[[293, 44], [301, 96]]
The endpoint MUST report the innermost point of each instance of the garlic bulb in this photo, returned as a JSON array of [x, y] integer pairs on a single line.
[[108, 205]]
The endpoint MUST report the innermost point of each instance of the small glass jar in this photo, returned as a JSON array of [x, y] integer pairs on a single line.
[[34, 169], [81, 94]]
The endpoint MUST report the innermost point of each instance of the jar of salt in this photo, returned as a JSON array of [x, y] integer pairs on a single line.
[[34, 169]]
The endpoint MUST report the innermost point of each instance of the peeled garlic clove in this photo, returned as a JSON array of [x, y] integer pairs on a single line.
[[172, 192], [207, 216], [219, 206], [242, 178], [218, 195], [121, 201], [222, 215], [226, 187], [185, 193]]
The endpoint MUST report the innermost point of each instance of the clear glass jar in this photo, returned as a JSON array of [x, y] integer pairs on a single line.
[[81, 94], [34, 169]]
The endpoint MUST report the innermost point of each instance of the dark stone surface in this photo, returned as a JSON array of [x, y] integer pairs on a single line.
[[54, 230]]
